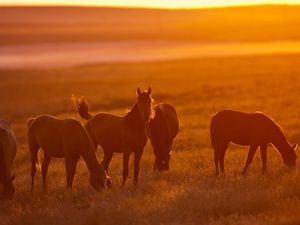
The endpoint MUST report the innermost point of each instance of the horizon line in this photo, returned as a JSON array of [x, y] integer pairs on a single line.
[[146, 7]]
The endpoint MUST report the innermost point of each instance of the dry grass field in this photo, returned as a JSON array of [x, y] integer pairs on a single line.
[[189, 193]]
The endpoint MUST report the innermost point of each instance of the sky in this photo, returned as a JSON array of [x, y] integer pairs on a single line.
[[149, 3]]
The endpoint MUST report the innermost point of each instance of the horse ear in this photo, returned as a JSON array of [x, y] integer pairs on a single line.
[[138, 91], [294, 146], [149, 90]]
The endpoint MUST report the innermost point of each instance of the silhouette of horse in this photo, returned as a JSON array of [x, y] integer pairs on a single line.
[[163, 128], [248, 129], [67, 139], [120, 134], [8, 150]]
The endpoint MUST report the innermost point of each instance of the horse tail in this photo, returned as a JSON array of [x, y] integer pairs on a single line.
[[212, 133], [33, 146], [82, 107]]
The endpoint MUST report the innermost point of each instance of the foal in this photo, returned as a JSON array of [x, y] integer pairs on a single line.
[[8, 150], [248, 129], [63, 139], [121, 134]]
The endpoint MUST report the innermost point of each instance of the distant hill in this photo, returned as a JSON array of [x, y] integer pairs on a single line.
[[19, 25]]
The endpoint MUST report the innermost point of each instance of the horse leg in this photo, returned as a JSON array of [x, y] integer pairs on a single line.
[[106, 160], [45, 165], [137, 159], [125, 166], [70, 163], [263, 154], [222, 152], [33, 149], [250, 156], [216, 159]]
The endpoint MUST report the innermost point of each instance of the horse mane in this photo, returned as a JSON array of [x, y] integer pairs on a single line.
[[280, 140], [82, 106]]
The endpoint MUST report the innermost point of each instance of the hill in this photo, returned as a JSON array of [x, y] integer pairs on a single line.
[[22, 25]]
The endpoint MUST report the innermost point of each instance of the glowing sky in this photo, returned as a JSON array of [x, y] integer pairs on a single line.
[[149, 3]]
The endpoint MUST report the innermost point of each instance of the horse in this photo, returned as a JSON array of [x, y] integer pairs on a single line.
[[248, 129], [163, 128], [8, 150], [120, 134], [63, 138]]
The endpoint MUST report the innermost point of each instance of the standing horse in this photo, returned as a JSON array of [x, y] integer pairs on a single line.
[[163, 128], [121, 134], [63, 139], [248, 129], [8, 150]]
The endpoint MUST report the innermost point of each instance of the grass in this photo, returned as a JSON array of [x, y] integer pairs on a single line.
[[187, 194]]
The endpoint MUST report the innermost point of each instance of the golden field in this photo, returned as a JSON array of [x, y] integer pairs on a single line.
[[189, 193]]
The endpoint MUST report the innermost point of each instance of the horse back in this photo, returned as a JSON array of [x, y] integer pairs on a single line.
[[242, 128], [164, 126], [75, 137], [46, 132], [171, 118], [7, 138], [107, 130], [8, 147]]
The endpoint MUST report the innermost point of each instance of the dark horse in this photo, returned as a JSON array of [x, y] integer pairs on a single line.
[[8, 150], [163, 129], [248, 129], [121, 134]]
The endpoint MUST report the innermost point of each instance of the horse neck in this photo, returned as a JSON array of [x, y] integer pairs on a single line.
[[280, 142], [134, 120], [91, 161]]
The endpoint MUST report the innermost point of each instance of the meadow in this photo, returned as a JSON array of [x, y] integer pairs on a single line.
[[189, 193]]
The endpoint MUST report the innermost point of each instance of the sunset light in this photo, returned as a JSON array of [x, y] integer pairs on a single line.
[[150, 3], [139, 112]]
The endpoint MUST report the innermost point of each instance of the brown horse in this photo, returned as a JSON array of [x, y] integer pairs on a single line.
[[63, 139], [163, 128], [121, 134], [248, 129], [8, 150]]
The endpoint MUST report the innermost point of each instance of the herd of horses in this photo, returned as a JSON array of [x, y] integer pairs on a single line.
[[68, 139]]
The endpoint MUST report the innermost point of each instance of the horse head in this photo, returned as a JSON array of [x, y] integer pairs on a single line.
[[100, 180], [162, 162], [290, 157], [144, 103]]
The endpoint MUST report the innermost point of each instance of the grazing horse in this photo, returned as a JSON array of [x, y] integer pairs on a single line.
[[63, 139], [163, 128], [248, 129], [8, 150], [120, 134]]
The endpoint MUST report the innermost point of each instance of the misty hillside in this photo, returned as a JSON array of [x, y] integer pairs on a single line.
[[64, 24]]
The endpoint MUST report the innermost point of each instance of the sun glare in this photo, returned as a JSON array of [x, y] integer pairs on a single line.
[[150, 3]]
